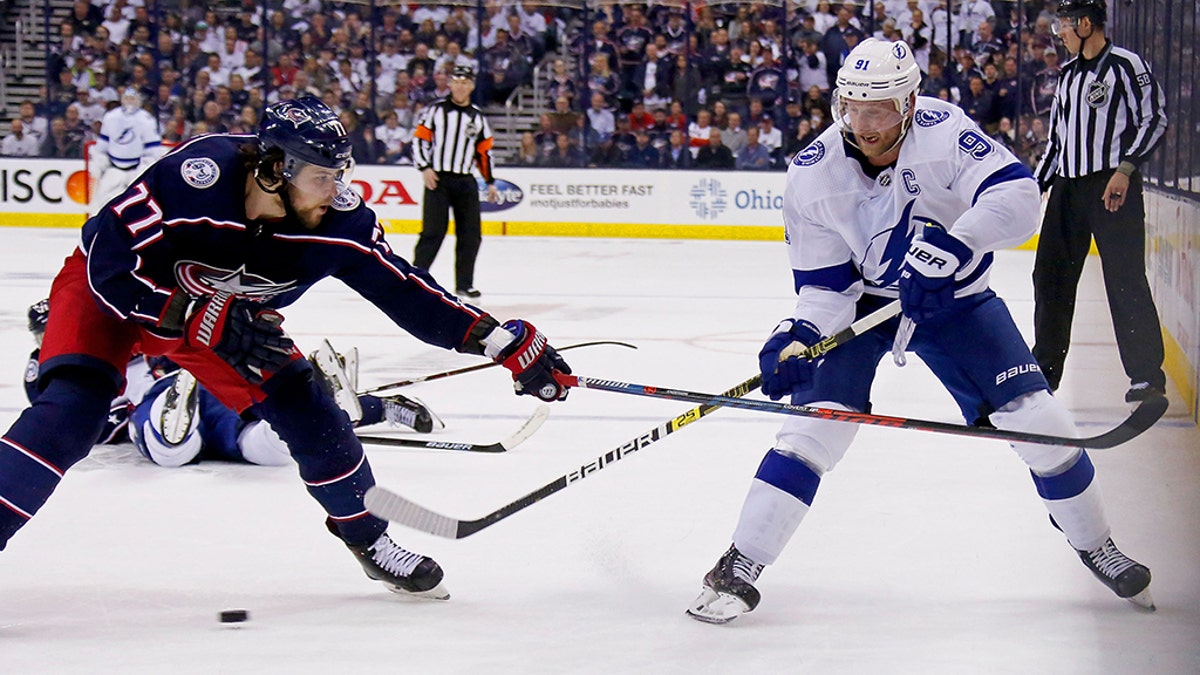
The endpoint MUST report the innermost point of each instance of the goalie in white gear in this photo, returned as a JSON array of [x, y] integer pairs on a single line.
[[129, 142], [906, 197]]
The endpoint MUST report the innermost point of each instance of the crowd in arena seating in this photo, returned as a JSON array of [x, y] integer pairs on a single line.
[[706, 85]]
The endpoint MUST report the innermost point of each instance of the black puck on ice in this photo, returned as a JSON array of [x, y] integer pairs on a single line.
[[234, 616]]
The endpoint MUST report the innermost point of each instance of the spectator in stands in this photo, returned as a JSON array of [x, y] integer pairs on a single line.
[[599, 42], [651, 79], [769, 135], [753, 156], [735, 80], [676, 155], [934, 81], [528, 154], [178, 128], [734, 136], [562, 83], [767, 83], [508, 69], [1009, 91], [1045, 83], [754, 113], [606, 154], [980, 104], [562, 119], [811, 67], [565, 154], [396, 140], [713, 59], [917, 33], [644, 155], [403, 111], [34, 124], [700, 132], [814, 103], [602, 80], [834, 43], [714, 155], [676, 119], [639, 119], [60, 143], [600, 118], [631, 48], [803, 138], [85, 17], [546, 137], [18, 142], [685, 85]]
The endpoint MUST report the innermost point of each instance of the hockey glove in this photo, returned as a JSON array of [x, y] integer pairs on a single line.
[[533, 362], [927, 278], [244, 334], [781, 378]]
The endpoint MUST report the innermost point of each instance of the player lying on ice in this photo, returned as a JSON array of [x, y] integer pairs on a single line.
[[177, 422], [192, 262], [904, 196]]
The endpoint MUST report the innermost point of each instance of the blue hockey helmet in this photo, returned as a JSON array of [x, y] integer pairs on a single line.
[[306, 130]]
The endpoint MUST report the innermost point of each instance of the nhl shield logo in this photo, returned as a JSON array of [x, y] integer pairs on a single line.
[[1097, 94], [200, 172]]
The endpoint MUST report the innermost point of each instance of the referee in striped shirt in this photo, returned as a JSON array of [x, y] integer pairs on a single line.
[[1108, 115], [452, 137]]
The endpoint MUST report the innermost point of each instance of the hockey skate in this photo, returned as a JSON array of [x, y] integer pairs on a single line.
[[401, 571], [334, 370], [180, 410], [409, 412], [1127, 578], [729, 590]]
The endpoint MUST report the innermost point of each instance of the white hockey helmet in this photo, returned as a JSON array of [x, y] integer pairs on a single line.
[[879, 71], [131, 100]]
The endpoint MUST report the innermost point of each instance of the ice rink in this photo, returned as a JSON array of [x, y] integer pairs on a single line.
[[923, 553]]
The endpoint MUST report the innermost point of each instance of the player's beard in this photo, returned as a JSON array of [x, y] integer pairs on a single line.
[[310, 218]]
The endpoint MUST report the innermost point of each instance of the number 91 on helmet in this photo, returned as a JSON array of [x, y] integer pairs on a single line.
[[304, 133], [876, 90]]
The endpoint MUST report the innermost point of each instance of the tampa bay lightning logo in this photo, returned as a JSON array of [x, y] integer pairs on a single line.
[[200, 172], [347, 200], [201, 280], [899, 50], [928, 118], [810, 155]]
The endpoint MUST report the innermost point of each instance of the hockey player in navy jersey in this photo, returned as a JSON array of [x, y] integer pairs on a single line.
[[193, 262], [905, 197]]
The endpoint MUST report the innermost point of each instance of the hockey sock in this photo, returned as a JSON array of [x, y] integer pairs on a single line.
[[779, 498], [322, 442], [372, 410], [1073, 500], [49, 437]]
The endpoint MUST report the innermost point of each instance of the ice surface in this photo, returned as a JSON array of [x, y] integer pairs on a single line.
[[922, 554]]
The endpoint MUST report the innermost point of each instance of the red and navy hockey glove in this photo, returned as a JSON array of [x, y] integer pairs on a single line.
[[244, 334], [927, 277], [782, 378], [533, 362]]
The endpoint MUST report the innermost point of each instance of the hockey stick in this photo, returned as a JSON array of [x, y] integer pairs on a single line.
[[480, 366], [392, 507], [527, 429], [1142, 418]]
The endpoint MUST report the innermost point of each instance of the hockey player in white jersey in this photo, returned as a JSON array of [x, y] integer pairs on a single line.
[[129, 142], [904, 196]]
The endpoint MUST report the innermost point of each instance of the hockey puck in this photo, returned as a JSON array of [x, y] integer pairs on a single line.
[[234, 616]]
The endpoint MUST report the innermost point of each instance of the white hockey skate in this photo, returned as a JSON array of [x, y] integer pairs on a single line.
[[180, 409], [1126, 577], [334, 370], [729, 590]]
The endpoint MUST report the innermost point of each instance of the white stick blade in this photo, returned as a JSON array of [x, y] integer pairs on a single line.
[[393, 508]]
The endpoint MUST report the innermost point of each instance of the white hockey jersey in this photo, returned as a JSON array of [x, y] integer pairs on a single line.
[[848, 234], [128, 140]]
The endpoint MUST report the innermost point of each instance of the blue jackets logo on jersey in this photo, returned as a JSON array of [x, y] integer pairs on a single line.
[[202, 280], [200, 172], [347, 200], [928, 118], [810, 155]]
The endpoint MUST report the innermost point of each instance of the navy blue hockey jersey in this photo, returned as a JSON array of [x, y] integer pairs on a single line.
[[183, 225]]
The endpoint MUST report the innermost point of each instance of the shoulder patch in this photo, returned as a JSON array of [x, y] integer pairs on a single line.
[[347, 200], [200, 172], [928, 118], [810, 155], [31, 371]]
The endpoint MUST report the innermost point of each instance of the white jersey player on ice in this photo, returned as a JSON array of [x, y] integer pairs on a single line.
[[129, 142], [906, 197]]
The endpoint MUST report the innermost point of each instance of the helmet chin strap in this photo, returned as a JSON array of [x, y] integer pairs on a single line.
[[280, 189]]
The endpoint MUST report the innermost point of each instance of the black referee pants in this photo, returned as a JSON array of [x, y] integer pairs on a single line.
[[459, 192], [1074, 214]]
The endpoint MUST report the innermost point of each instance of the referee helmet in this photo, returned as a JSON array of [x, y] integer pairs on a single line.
[[1096, 10]]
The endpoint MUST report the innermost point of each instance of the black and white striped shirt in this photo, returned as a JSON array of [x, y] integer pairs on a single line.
[[451, 138], [1106, 110]]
